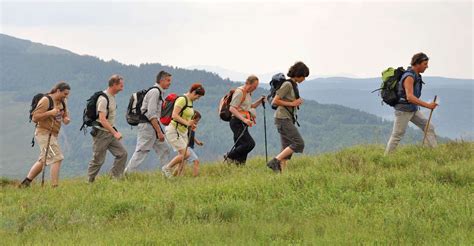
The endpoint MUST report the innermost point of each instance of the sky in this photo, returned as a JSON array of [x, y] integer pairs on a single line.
[[352, 38]]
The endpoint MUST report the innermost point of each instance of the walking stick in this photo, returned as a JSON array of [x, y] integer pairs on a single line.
[[181, 165], [46, 153], [265, 129], [428, 124]]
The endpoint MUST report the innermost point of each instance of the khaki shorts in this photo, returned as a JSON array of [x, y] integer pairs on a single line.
[[54, 152], [179, 141]]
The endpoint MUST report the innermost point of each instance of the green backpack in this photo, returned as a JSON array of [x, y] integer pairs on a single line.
[[389, 87]]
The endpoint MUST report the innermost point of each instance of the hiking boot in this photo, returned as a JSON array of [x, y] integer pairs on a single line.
[[25, 183], [274, 164], [166, 172], [229, 160]]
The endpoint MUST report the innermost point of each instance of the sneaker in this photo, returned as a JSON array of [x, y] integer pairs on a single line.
[[166, 172], [274, 164]]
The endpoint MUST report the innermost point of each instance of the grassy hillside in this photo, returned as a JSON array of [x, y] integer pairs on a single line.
[[416, 196]]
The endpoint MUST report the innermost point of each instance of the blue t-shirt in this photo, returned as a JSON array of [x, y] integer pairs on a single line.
[[191, 139], [403, 104]]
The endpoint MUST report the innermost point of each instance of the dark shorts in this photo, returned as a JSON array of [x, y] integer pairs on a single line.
[[289, 135]]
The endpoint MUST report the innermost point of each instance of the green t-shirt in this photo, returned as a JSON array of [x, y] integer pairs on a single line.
[[286, 93], [187, 113]]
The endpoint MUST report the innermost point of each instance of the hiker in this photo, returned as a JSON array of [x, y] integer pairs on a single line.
[[407, 109], [48, 114], [104, 135], [243, 116], [150, 133], [177, 132], [287, 100], [193, 158]]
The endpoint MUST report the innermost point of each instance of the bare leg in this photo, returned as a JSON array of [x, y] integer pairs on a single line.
[[177, 160], [182, 163], [284, 154], [283, 164], [196, 168], [35, 170], [55, 167]]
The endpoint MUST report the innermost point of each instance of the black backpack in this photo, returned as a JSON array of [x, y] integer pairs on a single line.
[[275, 84], [90, 116], [134, 115], [389, 87], [34, 104]]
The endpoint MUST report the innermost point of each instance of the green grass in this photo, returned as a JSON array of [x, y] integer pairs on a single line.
[[355, 196]]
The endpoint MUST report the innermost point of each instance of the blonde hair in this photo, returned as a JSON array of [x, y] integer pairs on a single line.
[[251, 79]]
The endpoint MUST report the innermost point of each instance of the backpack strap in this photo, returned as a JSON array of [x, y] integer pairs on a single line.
[[156, 87], [106, 116], [185, 106], [161, 94], [50, 102], [181, 112], [146, 110], [107, 99], [244, 96], [50, 107], [297, 96]]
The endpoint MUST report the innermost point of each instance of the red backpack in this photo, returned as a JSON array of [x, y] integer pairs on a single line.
[[168, 106]]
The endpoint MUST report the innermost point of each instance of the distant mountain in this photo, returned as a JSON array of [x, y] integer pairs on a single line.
[[454, 117], [265, 78], [20, 46], [234, 75], [222, 72], [27, 68]]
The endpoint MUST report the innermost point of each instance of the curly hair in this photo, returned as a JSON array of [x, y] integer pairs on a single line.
[[299, 69]]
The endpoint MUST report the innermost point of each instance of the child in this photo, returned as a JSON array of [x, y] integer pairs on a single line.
[[193, 158], [193, 140]]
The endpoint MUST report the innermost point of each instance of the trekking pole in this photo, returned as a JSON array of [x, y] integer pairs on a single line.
[[235, 144], [43, 169], [428, 123], [265, 129]]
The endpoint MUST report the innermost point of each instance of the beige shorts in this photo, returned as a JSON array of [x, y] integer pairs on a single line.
[[179, 141], [54, 152]]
